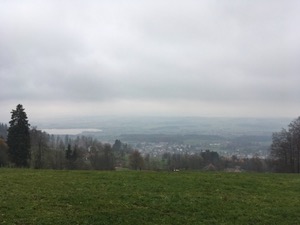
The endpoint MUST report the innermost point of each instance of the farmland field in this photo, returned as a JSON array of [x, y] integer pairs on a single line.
[[130, 197]]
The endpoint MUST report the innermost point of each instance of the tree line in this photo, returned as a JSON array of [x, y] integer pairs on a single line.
[[285, 148], [25, 146]]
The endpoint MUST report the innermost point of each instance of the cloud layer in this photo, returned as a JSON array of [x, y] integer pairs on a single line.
[[206, 58]]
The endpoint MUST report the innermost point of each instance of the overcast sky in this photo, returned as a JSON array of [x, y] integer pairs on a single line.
[[150, 57]]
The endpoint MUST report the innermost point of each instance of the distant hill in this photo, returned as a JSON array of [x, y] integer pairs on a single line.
[[172, 125]]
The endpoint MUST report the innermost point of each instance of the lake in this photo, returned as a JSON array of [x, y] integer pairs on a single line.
[[71, 131]]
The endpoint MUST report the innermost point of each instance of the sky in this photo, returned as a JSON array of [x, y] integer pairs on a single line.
[[76, 58]]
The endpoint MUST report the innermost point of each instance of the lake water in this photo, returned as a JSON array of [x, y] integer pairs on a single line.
[[73, 131]]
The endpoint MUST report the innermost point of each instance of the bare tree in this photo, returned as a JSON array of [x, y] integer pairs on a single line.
[[136, 161], [285, 148]]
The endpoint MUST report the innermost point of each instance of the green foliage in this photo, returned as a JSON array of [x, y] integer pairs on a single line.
[[18, 138], [129, 197]]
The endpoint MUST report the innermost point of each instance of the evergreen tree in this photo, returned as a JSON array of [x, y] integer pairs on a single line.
[[117, 146], [69, 152], [18, 138]]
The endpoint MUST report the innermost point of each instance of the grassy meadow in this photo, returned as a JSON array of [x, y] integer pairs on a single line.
[[138, 197]]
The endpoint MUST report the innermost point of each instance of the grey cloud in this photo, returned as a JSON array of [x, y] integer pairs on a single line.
[[154, 51]]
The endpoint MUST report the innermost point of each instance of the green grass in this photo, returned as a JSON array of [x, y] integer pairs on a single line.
[[127, 197]]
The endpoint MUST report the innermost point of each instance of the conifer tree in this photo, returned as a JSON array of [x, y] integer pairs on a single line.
[[18, 138], [69, 152]]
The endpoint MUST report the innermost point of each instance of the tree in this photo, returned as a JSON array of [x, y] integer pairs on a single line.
[[285, 148], [108, 160], [3, 153], [210, 157], [69, 158], [117, 146], [120, 151], [136, 161], [294, 130], [3, 130], [69, 152], [101, 157], [281, 151], [18, 138], [38, 140]]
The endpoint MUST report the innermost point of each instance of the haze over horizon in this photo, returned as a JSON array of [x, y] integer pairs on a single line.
[[206, 58]]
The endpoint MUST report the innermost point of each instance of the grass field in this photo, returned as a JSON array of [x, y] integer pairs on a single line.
[[136, 198]]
